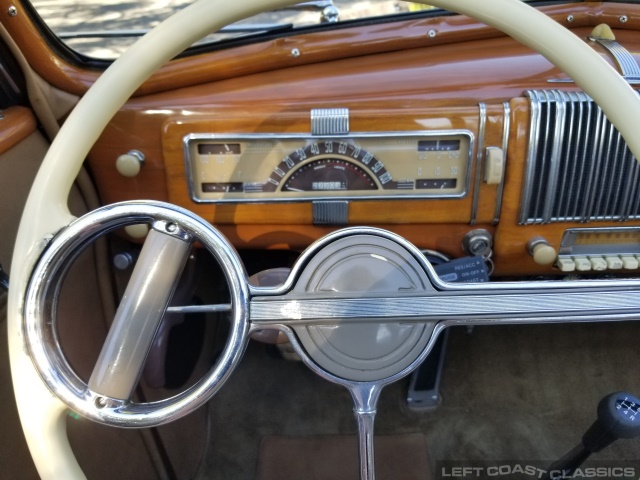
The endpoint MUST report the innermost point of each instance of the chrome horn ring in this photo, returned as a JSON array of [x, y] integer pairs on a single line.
[[40, 314]]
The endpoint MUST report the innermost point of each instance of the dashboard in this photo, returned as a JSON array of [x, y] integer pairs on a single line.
[[464, 136]]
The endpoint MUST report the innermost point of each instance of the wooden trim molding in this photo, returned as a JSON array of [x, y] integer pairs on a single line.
[[16, 124], [276, 54]]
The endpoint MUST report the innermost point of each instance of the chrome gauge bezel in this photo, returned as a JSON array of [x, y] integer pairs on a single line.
[[305, 139]]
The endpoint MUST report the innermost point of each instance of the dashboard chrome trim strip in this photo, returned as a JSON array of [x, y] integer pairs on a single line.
[[506, 125], [492, 305], [571, 146], [573, 132], [626, 62], [633, 179], [330, 213], [307, 137], [612, 201], [584, 99], [482, 125], [558, 143], [545, 148], [329, 121], [531, 155], [594, 165]]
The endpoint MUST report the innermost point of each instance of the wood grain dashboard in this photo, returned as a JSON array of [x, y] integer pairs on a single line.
[[471, 78]]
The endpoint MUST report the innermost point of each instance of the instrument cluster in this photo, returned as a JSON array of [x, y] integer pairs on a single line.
[[281, 168]]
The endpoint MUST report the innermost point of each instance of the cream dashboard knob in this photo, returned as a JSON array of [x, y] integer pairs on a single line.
[[541, 251], [129, 164]]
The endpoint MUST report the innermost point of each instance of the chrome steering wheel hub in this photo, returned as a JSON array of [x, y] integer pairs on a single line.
[[368, 266]]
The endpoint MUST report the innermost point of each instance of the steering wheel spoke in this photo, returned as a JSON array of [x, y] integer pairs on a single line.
[[502, 303]]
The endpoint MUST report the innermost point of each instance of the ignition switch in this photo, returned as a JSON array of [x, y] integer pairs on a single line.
[[478, 243]]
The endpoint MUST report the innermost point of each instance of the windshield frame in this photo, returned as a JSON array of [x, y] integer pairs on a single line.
[[81, 60]]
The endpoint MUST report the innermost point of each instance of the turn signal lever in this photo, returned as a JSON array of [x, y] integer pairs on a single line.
[[618, 417], [4, 280]]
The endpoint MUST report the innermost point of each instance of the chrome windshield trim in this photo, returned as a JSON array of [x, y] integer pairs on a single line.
[[133, 33]]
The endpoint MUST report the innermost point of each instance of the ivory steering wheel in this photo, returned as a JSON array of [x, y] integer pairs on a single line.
[[41, 410]]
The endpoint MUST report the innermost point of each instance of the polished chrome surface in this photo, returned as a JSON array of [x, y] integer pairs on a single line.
[[482, 124], [556, 150], [489, 305], [329, 121], [172, 229], [137, 154], [504, 302], [477, 243], [40, 315], [626, 62], [578, 166], [200, 308], [527, 188], [506, 125], [365, 399], [630, 81], [600, 241], [331, 213]]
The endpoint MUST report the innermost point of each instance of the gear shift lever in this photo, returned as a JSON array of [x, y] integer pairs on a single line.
[[618, 417]]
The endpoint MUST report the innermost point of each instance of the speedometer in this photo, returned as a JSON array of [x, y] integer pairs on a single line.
[[340, 160], [359, 166], [329, 174]]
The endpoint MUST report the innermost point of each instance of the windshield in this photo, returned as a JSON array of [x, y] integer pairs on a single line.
[[105, 28]]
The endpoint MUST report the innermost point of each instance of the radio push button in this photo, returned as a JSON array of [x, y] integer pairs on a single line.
[[629, 262], [566, 265], [583, 264], [613, 262], [598, 263]]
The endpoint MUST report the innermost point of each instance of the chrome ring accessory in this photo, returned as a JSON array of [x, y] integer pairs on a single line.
[[40, 315]]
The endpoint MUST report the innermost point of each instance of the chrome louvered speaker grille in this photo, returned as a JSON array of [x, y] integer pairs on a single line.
[[579, 167]]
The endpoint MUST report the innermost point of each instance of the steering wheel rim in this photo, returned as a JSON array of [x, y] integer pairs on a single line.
[[42, 414]]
